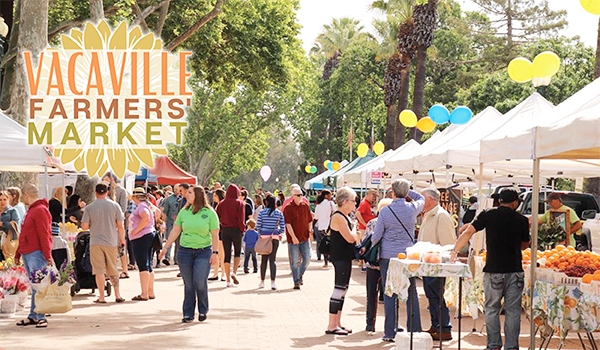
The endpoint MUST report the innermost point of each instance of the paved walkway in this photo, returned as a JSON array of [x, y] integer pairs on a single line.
[[239, 318]]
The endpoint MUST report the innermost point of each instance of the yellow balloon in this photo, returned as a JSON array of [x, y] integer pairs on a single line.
[[336, 166], [326, 164], [378, 147], [362, 150], [408, 118], [426, 124], [307, 169], [520, 70], [545, 64], [591, 6]]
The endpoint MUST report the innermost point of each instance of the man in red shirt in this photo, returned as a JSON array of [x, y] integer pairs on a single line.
[[35, 245], [364, 214], [298, 223]]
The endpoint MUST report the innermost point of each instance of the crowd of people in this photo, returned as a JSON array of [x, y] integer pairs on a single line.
[[200, 229]]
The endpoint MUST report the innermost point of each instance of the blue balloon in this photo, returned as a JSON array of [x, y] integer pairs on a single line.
[[461, 115], [439, 114], [330, 165]]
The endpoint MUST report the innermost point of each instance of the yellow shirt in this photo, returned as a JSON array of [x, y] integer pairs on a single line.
[[437, 227]]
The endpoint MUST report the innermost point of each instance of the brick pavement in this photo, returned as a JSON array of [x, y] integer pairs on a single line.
[[239, 318]]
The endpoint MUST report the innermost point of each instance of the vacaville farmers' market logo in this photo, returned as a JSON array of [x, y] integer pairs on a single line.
[[107, 99]]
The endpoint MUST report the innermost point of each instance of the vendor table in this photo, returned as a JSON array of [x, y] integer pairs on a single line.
[[400, 271], [563, 308]]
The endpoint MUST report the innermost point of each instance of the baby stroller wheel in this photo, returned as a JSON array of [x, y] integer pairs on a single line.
[[107, 288]]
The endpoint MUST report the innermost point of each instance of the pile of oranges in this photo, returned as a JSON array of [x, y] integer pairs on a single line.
[[588, 278], [562, 257]]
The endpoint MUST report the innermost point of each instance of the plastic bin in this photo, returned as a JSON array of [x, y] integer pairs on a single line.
[[421, 341]]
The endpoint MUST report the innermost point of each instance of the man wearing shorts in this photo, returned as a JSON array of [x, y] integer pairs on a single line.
[[104, 219]]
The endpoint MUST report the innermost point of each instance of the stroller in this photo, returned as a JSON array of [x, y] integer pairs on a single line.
[[83, 266]]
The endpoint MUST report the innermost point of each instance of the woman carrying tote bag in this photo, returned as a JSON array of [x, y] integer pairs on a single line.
[[270, 227]]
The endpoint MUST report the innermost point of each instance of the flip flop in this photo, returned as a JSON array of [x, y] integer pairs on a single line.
[[337, 331], [26, 322], [98, 301], [346, 329], [152, 297], [123, 275], [139, 298], [41, 324], [119, 300]]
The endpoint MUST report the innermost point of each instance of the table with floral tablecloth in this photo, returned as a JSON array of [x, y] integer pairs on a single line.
[[401, 270], [562, 308], [473, 298]]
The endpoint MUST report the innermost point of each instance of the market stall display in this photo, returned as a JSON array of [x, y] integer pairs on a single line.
[[401, 270], [14, 287]]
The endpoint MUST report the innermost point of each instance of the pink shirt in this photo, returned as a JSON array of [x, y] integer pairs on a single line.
[[136, 217]]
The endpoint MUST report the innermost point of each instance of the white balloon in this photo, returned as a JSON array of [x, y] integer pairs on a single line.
[[265, 172]]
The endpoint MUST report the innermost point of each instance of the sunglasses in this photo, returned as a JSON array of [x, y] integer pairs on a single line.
[[298, 195]]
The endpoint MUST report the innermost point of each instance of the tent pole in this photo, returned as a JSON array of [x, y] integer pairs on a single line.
[[480, 184], [535, 198]]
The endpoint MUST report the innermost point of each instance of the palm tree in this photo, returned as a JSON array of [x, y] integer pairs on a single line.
[[334, 39], [425, 18], [397, 47], [597, 67]]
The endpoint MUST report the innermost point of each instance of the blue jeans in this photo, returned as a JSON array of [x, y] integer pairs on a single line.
[[432, 291], [167, 234], [194, 265], [248, 253], [34, 261], [299, 267], [318, 237], [510, 287], [389, 306]]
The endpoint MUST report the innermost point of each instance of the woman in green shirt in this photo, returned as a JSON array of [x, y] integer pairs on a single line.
[[198, 225]]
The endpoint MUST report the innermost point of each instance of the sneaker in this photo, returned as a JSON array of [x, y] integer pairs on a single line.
[[158, 266], [234, 278], [246, 271], [273, 286], [301, 281], [255, 271], [389, 340], [370, 328], [202, 317], [179, 274], [261, 285], [229, 285], [296, 286], [363, 269], [166, 262]]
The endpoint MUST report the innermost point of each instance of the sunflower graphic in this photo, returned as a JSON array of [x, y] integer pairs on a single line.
[[113, 98]]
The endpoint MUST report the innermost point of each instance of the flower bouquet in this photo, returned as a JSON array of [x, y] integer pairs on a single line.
[[56, 296], [13, 287]]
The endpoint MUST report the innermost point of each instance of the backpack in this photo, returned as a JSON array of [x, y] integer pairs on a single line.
[[367, 251]]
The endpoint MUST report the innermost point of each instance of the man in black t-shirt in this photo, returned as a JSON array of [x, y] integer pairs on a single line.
[[507, 233]]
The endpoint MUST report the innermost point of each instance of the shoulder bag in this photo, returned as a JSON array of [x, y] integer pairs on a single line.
[[264, 245], [11, 241], [404, 227]]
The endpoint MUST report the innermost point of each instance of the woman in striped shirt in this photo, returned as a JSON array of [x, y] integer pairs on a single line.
[[270, 223]]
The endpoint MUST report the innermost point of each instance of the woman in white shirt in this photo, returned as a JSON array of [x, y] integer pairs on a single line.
[[323, 212]]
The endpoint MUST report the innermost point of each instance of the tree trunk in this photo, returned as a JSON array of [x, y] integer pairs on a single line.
[[9, 60], [509, 26], [85, 188], [419, 89], [96, 10], [390, 127], [32, 37], [597, 66], [400, 137]]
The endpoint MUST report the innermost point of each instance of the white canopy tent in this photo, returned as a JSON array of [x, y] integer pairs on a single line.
[[359, 175], [403, 162], [574, 136], [17, 155]]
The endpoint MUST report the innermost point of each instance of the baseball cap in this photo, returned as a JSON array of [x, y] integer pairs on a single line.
[[508, 196], [553, 196]]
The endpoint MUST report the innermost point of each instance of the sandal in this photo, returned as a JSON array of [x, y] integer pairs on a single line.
[[41, 323], [119, 300], [139, 298], [98, 301], [152, 297], [346, 329], [123, 275], [337, 331], [26, 322], [130, 267]]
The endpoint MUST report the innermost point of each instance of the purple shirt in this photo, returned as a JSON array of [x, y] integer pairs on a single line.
[[135, 218]]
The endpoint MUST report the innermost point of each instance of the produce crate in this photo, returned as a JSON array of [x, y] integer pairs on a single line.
[[545, 275], [562, 279], [590, 288]]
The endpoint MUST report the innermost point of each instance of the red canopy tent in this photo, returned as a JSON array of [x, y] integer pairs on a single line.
[[168, 173]]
